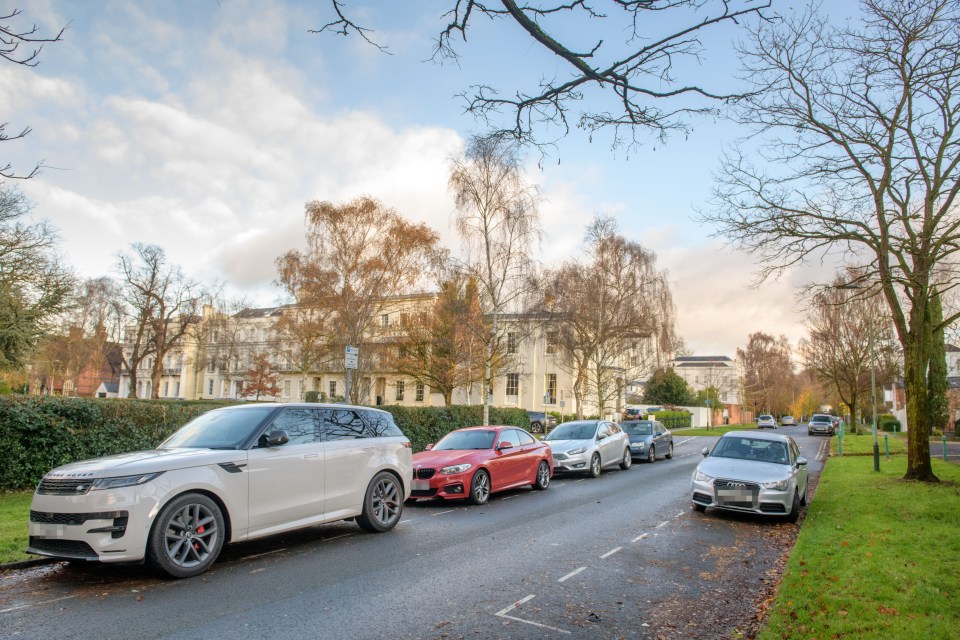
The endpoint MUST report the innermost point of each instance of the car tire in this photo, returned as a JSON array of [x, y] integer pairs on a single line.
[[652, 454], [809, 433], [627, 461], [794, 514], [699, 507], [186, 536], [536, 427], [594, 470], [669, 452], [543, 476], [382, 504], [480, 487]]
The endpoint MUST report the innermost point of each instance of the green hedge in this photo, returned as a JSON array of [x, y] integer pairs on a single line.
[[38, 433], [426, 425], [674, 419]]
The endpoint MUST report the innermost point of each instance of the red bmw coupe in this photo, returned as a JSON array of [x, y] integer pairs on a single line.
[[474, 462]]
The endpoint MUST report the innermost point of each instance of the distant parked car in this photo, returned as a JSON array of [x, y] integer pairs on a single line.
[[766, 421], [632, 413], [540, 420], [231, 474], [788, 421], [589, 446], [648, 439], [821, 424], [474, 462], [755, 472]]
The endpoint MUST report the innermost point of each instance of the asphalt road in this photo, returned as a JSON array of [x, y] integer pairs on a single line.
[[619, 556]]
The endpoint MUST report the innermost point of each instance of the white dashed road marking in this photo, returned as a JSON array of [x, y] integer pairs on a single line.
[[571, 574], [610, 553], [662, 524], [36, 604]]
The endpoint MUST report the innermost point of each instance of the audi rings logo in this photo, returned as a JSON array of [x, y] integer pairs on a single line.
[[736, 484]]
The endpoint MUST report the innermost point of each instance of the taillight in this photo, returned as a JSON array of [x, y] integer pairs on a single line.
[[408, 445]]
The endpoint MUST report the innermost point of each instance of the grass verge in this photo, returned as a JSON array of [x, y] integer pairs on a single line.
[[862, 445], [14, 513], [877, 557]]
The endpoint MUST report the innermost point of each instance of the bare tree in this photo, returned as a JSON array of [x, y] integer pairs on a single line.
[[20, 45], [767, 373], [499, 226], [604, 310], [161, 304], [618, 72], [359, 254], [260, 379], [219, 337], [838, 349], [34, 284], [863, 126]]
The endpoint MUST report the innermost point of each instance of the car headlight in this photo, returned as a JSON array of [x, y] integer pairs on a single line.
[[455, 468], [637, 445], [574, 452], [779, 485], [123, 481], [700, 476]]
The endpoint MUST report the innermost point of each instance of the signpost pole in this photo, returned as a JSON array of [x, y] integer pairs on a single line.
[[350, 358]]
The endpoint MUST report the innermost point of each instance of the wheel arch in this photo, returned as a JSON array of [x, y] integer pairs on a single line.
[[224, 511]]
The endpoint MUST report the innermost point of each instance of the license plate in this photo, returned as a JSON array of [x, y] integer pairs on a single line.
[[735, 495], [421, 485]]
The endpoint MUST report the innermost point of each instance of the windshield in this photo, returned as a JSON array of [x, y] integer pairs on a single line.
[[822, 419], [221, 429], [573, 431], [459, 440], [745, 448], [637, 428]]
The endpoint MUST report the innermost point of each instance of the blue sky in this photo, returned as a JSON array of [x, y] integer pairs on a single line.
[[205, 126]]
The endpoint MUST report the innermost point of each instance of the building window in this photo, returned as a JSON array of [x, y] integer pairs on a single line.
[[551, 341], [512, 343], [216, 336], [333, 389], [176, 388], [419, 397], [385, 320], [551, 387], [210, 366], [399, 390], [301, 388], [286, 388], [237, 388], [513, 385], [210, 387], [166, 388]]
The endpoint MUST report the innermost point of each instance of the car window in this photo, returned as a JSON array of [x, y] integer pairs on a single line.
[[219, 429], [300, 425], [614, 428], [380, 424], [604, 430], [525, 438], [573, 431], [509, 435], [342, 424], [643, 428], [745, 448], [461, 440]]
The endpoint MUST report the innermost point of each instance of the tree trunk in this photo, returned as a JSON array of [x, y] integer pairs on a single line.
[[916, 361]]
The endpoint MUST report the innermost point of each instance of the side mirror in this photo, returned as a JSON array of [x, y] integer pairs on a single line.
[[705, 452], [801, 462], [429, 447], [277, 437], [504, 445]]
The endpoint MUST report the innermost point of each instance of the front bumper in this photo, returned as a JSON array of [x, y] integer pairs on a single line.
[[820, 429], [746, 497], [563, 462], [453, 486], [638, 449], [104, 526]]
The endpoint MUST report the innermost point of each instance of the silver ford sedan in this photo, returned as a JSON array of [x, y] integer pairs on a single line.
[[754, 472], [589, 446]]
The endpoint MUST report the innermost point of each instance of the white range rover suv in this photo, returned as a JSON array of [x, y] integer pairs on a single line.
[[228, 475]]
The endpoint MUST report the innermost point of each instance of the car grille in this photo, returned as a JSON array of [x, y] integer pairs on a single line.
[[72, 519], [424, 474], [62, 548], [64, 487], [772, 507], [736, 484], [702, 497], [425, 493]]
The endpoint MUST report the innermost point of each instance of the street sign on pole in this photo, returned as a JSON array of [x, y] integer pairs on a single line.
[[351, 357]]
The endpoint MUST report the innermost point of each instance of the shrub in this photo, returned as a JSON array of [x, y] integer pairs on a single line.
[[887, 422], [311, 396], [675, 419], [426, 425]]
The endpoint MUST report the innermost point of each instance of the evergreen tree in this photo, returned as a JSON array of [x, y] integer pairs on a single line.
[[666, 387]]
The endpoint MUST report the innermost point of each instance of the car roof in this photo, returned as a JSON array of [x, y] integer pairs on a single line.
[[757, 435], [491, 427]]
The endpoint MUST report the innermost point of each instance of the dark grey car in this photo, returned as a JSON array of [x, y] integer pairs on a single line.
[[648, 439]]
